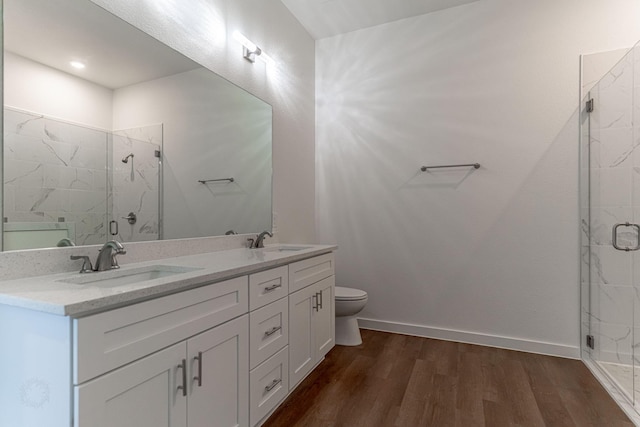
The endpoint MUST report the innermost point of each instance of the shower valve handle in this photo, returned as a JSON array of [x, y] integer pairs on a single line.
[[131, 218]]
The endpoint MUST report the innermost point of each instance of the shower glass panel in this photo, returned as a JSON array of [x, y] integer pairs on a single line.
[[135, 184], [610, 193]]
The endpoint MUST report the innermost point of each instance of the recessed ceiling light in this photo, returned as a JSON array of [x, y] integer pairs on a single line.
[[77, 64]]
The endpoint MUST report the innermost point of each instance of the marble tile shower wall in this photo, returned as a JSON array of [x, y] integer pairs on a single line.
[[135, 185], [615, 198], [55, 171]]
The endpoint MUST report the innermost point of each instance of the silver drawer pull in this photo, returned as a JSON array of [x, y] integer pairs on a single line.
[[273, 384], [272, 331], [183, 387], [272, 288], [199, 377]]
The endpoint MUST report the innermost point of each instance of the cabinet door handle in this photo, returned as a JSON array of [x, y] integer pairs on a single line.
[[273, 384], [183, 387], [321, 298], [272, 331], [314, 302], [199, 376], [272, 288]]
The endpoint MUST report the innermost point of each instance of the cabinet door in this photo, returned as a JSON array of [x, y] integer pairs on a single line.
[[219, 376], [324, 318], [142, 394], [302, 305]]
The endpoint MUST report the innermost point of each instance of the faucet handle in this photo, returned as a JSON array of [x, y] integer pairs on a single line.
[[251, 242], [86, 263], [114, 260]]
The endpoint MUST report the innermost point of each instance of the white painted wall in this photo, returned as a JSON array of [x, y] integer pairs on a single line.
[[489, 255], [34, 87], [203, 31]]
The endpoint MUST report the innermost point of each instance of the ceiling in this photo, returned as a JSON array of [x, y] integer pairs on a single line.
[[116, 54], [326, 18]]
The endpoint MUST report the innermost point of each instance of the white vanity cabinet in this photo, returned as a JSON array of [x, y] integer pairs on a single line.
[[311, 315], [221, 353], [202, 379], [200, 382]]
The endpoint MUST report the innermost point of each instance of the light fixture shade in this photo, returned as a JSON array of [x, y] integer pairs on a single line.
[[250, 55], [249, 49]]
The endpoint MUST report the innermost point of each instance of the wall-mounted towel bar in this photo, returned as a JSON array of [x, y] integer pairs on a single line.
[[204, 181], [425, 168]]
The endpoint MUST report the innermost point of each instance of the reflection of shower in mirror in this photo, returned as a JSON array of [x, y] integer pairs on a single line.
[[126, 160]]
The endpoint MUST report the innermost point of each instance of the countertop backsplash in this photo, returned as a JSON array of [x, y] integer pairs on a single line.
[[39, 262]]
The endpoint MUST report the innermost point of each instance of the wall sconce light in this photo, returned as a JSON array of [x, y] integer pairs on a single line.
[[249, 49]]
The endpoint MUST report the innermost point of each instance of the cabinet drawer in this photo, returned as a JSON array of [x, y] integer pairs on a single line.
[[108, 340], [268, 286], [269, 331], [306, 272], [269, 384]]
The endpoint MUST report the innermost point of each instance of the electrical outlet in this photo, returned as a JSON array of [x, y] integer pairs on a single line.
[[274, 222]]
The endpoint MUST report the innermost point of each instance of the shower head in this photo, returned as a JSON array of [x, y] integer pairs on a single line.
[[126, 159]]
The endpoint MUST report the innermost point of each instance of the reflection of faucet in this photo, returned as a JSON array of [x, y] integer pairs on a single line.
[[107, 256], [65, 242], [260, 239]]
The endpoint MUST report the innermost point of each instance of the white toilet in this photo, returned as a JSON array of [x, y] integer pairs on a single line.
[[349, 302]]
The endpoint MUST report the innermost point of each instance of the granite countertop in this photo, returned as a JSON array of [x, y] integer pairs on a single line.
[[56, 295]]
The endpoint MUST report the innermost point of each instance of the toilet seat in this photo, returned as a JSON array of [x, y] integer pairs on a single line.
[[349, 294]]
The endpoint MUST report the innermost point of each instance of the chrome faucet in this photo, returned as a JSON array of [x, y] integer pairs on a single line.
[[107, 256], [260, 239]]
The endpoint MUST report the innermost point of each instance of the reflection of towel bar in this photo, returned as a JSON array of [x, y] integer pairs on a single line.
[[475, 165], [204, 181]]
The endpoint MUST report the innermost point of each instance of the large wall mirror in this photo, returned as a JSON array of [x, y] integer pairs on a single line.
[[108, 133]]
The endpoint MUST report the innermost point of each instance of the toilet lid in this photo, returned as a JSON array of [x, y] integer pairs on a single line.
[[349, 294]]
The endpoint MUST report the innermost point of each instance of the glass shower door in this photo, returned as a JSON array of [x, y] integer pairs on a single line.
[[135, 184], [613, 230]]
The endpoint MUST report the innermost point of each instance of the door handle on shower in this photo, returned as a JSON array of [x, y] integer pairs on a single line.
[[615, 236]]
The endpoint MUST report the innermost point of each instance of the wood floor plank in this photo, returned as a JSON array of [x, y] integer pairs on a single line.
[[440, 409], [470, 386], [420, 389], [496, 414], [396, 380]]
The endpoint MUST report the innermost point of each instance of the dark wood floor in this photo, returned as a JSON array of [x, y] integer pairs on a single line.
[[397, 380]]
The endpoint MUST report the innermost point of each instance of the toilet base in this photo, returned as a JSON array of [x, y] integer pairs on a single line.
[[347, 331]]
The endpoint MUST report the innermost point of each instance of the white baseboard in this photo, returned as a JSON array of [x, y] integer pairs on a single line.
[[528, 346]]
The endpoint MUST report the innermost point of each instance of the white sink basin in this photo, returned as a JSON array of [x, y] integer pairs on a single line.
[[284, 248], [125, 277]]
